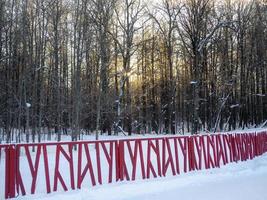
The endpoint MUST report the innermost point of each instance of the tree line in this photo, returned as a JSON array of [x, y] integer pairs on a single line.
[[107, 66]]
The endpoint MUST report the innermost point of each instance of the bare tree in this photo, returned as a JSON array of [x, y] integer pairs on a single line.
[[128, 14]]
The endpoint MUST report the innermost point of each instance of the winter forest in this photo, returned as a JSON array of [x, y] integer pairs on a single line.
[[131, 66]]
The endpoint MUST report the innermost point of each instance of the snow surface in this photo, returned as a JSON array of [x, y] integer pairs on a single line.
[[234, 181], [105, 136]]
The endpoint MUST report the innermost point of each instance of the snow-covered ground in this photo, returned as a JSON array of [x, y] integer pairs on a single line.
[[235, 181], [67, 138]]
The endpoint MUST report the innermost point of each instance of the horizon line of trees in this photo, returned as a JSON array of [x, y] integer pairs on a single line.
[[109, 66]]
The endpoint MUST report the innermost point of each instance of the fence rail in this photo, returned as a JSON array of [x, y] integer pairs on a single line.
[[72, 165]]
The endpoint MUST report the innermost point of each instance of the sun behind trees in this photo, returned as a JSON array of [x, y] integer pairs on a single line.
[[108, 66]]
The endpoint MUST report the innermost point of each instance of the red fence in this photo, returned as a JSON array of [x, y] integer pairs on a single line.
[[71, 165]]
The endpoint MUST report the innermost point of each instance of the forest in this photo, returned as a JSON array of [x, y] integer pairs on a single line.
[[131, 66]]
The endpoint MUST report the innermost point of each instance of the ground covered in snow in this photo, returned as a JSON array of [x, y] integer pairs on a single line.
[[234, 181], [105, 136]]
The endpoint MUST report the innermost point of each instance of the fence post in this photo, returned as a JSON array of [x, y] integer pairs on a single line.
[[7, 173], [10, 175]]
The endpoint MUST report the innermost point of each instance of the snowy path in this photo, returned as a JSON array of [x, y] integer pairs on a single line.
[[235, 181]]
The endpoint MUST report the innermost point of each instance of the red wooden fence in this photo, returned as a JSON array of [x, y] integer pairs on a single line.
[[69, 164]]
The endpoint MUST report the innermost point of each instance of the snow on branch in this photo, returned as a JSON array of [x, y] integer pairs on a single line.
[[234, 105], [28, 105], [204, 41], [193, 82]]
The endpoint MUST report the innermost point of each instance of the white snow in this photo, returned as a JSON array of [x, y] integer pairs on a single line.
[[121, 135], [193, 82], [28, 105], [234, 105], [235, 181], [261, 95]]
